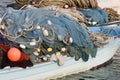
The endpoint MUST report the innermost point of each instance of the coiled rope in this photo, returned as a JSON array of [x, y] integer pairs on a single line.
[[112, 14], [62, 3]]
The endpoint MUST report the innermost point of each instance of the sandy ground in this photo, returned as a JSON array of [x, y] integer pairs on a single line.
[[115, 4]]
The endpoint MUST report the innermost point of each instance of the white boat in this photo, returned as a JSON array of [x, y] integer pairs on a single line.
[[50, 70]]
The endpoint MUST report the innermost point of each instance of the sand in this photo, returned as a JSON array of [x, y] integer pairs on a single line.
[[115, 4]]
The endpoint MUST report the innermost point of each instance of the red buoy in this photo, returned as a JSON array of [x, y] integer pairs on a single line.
[[14, 54]]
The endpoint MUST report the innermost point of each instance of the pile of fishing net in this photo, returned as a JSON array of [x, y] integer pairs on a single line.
[[49, 34], [112, 14], [40, 33], [85, 7]]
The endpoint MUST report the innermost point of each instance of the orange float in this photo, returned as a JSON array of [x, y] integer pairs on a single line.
[[14, 54]]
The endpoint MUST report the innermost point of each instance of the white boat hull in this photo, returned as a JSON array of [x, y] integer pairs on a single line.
[[50, 70]]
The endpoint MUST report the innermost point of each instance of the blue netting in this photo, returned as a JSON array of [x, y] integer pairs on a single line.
[[113, 31], [98, 15], [23, 23]]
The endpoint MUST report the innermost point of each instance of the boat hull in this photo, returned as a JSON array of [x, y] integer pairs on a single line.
[[51, 70]]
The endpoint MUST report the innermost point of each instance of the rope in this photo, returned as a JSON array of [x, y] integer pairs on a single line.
[[22, 2], [112, 14], [62, 3]]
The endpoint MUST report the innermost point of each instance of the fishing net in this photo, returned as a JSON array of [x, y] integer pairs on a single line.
[[113, 31], [98, 15], [35, 30], [24, 30], [43, 28]]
